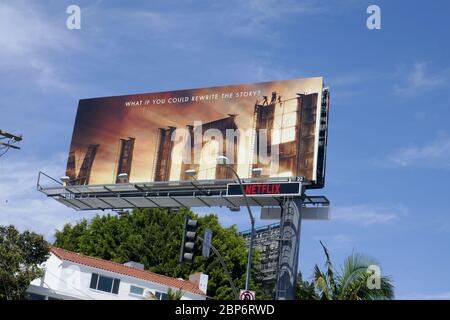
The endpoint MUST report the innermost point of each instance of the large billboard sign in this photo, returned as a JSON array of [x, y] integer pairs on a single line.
[[278, 127]]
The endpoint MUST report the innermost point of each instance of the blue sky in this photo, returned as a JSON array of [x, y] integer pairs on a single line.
[[388, 167]]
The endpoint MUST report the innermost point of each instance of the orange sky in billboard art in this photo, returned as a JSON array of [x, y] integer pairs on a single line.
[[158, 136]]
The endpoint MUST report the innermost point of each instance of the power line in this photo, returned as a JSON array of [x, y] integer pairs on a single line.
[[11, 140], [6, 150]]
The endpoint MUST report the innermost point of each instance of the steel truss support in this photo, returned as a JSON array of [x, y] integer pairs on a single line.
[[290, 223]]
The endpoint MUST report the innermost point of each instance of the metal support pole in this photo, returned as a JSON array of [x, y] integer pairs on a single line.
[[252, 235], [224, 266], [250, 256], [291, 218]]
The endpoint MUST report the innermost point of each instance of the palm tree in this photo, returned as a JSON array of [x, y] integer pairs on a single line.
[[150, 296], [352, 282], [171, 295], [174, 295], [304, 289]]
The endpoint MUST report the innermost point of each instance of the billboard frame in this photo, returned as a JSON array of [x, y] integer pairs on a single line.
[[319, 106], [174, 194]]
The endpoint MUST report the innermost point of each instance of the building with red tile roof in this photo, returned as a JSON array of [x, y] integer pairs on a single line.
[[70, 275]]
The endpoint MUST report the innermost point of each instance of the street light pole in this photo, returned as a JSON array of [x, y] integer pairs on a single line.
[[224, 266], [224, 161], [192, 173]]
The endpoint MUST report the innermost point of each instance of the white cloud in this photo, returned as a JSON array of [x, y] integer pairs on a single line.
[[361, 214], [426, 296], [26, 208], [260, 70], [157, 21], [435, 154], [228, 218], [351, 85], [341, 239], [254, 17], [48, 77], [421, 79], [272, 8], [367, 215], [28, 39], [24, 30], [187, 29]]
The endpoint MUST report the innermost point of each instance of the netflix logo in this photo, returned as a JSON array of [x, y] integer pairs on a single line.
[[273, 188], [262, 189]]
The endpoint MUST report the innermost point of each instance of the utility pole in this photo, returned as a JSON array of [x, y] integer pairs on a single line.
[[7, 141], [222, 160]]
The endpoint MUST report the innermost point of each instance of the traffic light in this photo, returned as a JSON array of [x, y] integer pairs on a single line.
[[188, 242]]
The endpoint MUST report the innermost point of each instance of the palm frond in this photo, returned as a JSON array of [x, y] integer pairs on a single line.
[[322, 284], [354, 270], [353, 280], [174, 295], [385, 292], [330, 272]]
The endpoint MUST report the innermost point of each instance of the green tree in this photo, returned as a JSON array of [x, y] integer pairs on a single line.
[[153, 238], [305, 290], [351, 282], [20, 257]]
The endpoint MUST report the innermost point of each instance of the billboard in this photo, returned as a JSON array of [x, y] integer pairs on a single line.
[[278, 128]]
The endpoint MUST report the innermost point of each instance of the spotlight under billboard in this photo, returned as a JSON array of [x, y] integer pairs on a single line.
[[278, 128]]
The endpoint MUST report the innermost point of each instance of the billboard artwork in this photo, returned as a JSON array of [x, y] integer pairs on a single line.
[[278, 127]]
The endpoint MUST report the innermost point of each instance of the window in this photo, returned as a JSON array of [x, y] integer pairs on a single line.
[[116, 286], [94, 281], [161, 295], [34, 296], [284, 122], [136, 290], [105, 284]]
